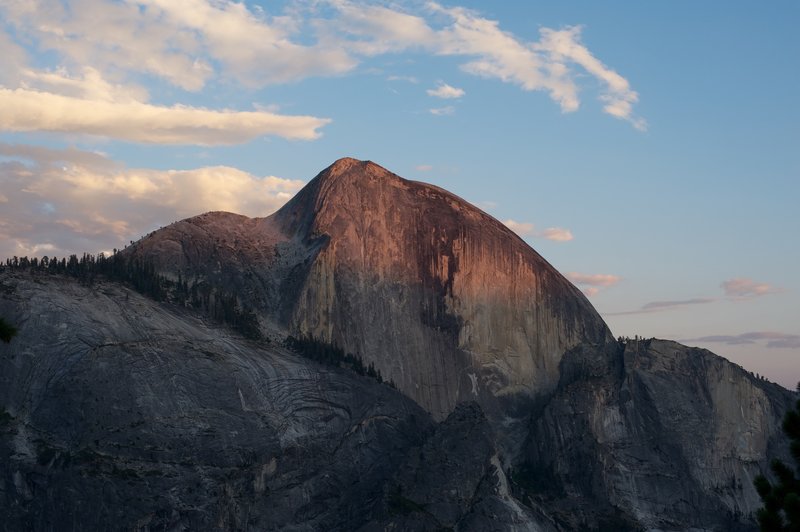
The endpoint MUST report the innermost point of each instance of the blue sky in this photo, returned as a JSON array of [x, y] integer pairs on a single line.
[[648, 150]]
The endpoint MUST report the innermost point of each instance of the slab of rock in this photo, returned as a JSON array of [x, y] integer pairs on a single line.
[[119, 413], [654, 434]]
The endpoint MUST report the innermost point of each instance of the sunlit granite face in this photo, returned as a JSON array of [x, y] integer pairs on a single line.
[[442, 298]]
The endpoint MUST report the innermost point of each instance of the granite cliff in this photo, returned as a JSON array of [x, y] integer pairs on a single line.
[[512, 406], [442, 298]]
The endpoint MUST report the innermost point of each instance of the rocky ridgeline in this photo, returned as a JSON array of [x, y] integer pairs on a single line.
[[510, 407]]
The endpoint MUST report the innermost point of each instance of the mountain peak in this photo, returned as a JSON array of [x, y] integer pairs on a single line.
[[469, 290], [353, 169], [437, 295], [343, 164]]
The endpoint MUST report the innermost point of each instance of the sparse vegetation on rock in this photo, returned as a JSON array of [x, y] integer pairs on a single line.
[[781, 511], [7, 331]]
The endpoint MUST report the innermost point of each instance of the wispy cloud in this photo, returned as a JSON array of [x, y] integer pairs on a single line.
[[593, 279], [557, 234], [769, 339], [735, 289], [742, 287], [592, 283], [521, 228], [27, 110], [664, 305], [659, 306], [423, 168], [445, 91], [68, 201], [442, 111], [565, 45], [542, 65], [409, 79]]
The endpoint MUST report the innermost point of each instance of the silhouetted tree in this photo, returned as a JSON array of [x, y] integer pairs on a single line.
[[781, 511], [7, 331]]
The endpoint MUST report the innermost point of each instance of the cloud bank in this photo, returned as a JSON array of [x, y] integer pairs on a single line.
[[26, 110], [70, 201], [105, 51]]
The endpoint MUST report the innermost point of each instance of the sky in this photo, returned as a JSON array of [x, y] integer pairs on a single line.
[[649, 150]]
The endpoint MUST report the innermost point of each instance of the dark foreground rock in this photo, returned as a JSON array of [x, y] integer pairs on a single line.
[[123, 414]]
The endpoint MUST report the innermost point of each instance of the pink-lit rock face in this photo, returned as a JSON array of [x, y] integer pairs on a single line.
[[442, 298]]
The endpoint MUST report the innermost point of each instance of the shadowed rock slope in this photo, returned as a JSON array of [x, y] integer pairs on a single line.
[[119, 413], [515, 409]]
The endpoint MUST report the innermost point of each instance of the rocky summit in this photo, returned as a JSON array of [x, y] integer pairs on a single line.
[[376, 355]]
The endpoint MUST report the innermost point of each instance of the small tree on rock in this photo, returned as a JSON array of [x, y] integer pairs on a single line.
[[7, 331]]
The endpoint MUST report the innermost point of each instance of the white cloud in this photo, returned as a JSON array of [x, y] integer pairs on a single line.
[[90, 85], [521, 228], [69, 201], [256, 50], [27, 110], [112, 36], [743, 287], [592, 283], [442, 111], [602, 280], [12, 59], [409, 79], [188, 43], [542, 65], [557, 234], [181, 41], [375, 29], [446, 91], [500, 55], [423, 168], [619, 97]]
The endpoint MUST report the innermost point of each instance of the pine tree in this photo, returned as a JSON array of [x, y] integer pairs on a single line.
[[781, 511], [7, 331]]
